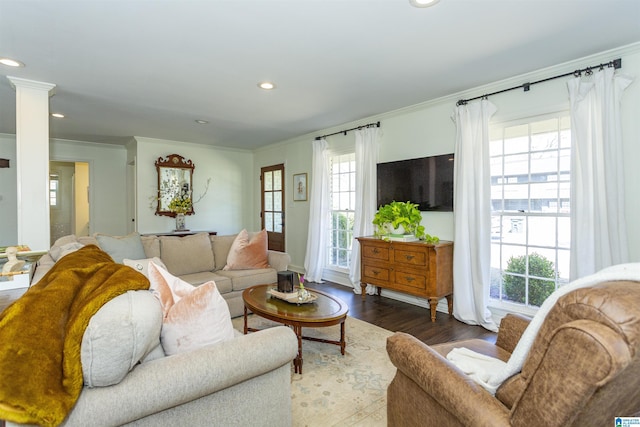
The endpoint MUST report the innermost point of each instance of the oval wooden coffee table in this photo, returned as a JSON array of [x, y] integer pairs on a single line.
[[326, 310]]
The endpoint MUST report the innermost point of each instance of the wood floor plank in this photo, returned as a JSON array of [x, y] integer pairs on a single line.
[[399, 316]]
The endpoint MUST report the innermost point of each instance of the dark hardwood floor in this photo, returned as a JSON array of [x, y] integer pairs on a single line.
[[400, 316]]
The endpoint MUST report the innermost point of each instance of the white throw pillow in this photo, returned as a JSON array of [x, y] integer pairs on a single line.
[[123, 332], [142, 265], [193, 316]]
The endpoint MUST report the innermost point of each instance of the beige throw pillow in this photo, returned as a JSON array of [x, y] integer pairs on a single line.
[[193, 316], [248, 253], [187, 255]]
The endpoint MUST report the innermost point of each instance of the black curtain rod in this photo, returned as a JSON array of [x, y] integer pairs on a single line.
[[377, 124], [616, 63]]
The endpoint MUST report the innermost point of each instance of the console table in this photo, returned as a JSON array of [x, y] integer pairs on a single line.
[[417, 268], [181, 233]]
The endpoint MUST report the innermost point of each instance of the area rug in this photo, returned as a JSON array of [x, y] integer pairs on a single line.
[[337, 390]]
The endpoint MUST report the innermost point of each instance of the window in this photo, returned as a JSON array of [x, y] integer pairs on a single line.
[[530, 197], [54, 180], [343, 199]]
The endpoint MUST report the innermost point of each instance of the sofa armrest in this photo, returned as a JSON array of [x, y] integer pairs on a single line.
[[174, 380], [278, 260], [454, 391], [512, 327]]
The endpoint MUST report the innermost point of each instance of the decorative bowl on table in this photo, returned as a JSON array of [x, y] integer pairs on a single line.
[[294, 297]]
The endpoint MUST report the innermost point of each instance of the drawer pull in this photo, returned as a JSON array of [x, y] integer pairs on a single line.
[[410, 279], [409, 257], [376, 251], [375, 272]]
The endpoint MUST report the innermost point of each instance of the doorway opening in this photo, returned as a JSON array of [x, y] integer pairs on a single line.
[[68, 199], [272, 211]]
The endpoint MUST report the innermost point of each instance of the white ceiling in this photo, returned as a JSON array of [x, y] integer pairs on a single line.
[[151, 68]]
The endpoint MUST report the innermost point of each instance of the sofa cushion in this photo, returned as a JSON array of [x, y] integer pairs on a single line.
[[243, 279], [189, 254], [248, 252], [196, 279], [121, 247], [193, 316], [142, 265], [119, 335]]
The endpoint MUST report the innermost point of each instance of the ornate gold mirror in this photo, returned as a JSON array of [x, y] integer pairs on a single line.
[[175, 185]]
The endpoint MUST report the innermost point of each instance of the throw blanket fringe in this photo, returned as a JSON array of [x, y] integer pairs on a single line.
[[490, 374], [41, 335]]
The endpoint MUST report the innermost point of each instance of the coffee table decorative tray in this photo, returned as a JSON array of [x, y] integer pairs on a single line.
[[292, 297]]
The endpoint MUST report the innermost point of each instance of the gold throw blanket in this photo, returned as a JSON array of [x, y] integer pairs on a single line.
[[41, 335]]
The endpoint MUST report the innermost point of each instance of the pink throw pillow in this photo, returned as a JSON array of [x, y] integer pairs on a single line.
[[193, 317], [248, 253]]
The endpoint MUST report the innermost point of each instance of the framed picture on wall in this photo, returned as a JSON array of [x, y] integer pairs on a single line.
[[299, 187]]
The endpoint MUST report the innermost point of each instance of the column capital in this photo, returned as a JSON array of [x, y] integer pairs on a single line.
[[17, 82]]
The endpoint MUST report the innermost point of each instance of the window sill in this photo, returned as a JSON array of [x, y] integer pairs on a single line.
[[500, 309]]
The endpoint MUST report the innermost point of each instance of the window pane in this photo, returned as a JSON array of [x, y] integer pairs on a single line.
[[277, 222], [268, 201], [542, 231], [277, 180], [277, 201], [543, 164], [268, 181], [564, 232], [268, 221], [516, 139], [344, 201], [563, 267], [544, 135], [515, 165]]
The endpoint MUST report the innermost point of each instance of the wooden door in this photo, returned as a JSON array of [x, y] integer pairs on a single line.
[[272, 210]]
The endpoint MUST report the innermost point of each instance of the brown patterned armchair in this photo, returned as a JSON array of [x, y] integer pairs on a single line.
[[582, 370]]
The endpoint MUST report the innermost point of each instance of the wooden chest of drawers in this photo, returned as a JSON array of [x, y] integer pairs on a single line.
[[417, 268]]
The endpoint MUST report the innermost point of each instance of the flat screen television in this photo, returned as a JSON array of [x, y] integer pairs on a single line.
[[427, 181]]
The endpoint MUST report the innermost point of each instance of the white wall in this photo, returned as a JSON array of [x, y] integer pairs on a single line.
[[227, 207], [8, 192], [427, 129], [107, 178]]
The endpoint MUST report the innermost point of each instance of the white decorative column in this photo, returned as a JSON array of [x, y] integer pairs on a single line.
[[32, 161]]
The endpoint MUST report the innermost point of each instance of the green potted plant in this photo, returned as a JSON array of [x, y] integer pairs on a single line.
[[400, 218]]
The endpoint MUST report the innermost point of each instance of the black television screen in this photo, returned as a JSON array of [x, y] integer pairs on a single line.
[[427, 181]]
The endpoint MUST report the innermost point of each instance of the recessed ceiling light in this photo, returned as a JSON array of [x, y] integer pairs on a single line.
[[202, 122], [423, 3], [266, 85], [57, 115], [11, 62]]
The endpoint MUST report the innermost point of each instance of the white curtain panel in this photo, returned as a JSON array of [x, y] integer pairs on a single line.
[[472, 215], [318, 213], [598, 227], [366, 190]]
